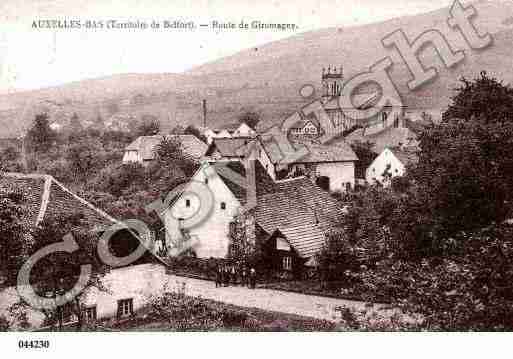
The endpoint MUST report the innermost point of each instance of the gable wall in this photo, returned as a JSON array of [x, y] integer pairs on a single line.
[[213, 231], [375, 170]]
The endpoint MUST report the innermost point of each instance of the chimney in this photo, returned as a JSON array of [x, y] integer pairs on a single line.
[[204, 113], [251, 200]]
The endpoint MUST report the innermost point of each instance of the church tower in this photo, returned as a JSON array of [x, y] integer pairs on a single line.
[[332, 82]]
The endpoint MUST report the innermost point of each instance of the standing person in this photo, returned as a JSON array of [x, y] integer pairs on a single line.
[[244, 279], [226, 276], [233, 275], [219, 276], [252, 278]]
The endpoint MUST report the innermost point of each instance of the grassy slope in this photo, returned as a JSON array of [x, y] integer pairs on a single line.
[[267, 79]]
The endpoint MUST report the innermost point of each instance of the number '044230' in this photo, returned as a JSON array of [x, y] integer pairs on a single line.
[[33, 344]]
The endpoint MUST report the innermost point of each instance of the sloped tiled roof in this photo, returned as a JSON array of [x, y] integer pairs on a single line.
[[389, 137], [45, 197], [316, 152], [296, 201], [228, 147], [146, 145], [306, 239], [296, 207], [265, 184]]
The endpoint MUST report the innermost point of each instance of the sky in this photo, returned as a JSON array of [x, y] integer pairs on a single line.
[[37, 58]]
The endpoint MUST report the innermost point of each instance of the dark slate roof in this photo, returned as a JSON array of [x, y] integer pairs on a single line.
[[306, 239], [317, 153], [388, 137], [228, 147], [296, 207], [146, 145], [46, 197]]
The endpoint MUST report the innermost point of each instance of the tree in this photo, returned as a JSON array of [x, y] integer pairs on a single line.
[[465, 164], [84, 156], [366, 156], [5, 325], [335, 258], [485, 98], [464, 170], [193, 130], [170, 153], [98, 123], [244, 250], [10, 160], [40, 137], [250, 118], [75, 126], [57, 273], [121, 179], [15, 231], [148, 126]]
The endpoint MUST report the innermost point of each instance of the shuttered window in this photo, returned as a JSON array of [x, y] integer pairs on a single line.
[[287, 263], [90, 313], [125, 307]]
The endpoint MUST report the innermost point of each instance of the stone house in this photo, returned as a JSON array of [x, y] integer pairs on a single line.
[[289, 222], [142, 149]]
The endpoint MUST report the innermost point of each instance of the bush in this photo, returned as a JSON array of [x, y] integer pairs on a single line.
[[470, 289], [4, 324]]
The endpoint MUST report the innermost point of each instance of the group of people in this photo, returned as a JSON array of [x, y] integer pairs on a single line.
[[231, 274]]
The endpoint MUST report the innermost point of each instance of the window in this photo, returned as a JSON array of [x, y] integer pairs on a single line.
[[287, 263], [66, 313], [187, 203], [125, 307], [90, 314], [206, 180], [223, 205]]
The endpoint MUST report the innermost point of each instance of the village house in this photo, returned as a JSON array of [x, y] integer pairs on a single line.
[[142, 150], [391, 162], [244, 130], [45, 198], [307, 128], [289, 222], [237, 130], [330, 166], [402, 133]]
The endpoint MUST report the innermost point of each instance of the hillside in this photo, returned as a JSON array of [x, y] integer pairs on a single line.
[[267, 79]]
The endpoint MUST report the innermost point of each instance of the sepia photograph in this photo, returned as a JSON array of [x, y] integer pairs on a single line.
[[236, 167]]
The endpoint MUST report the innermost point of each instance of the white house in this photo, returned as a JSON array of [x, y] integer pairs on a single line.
[[331, 166], [390, 163], [142, 150], [306, 128], [295, 210], [244, 130], [229, 131]]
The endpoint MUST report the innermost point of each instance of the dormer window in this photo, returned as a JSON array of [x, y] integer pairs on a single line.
[[187, 203]]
